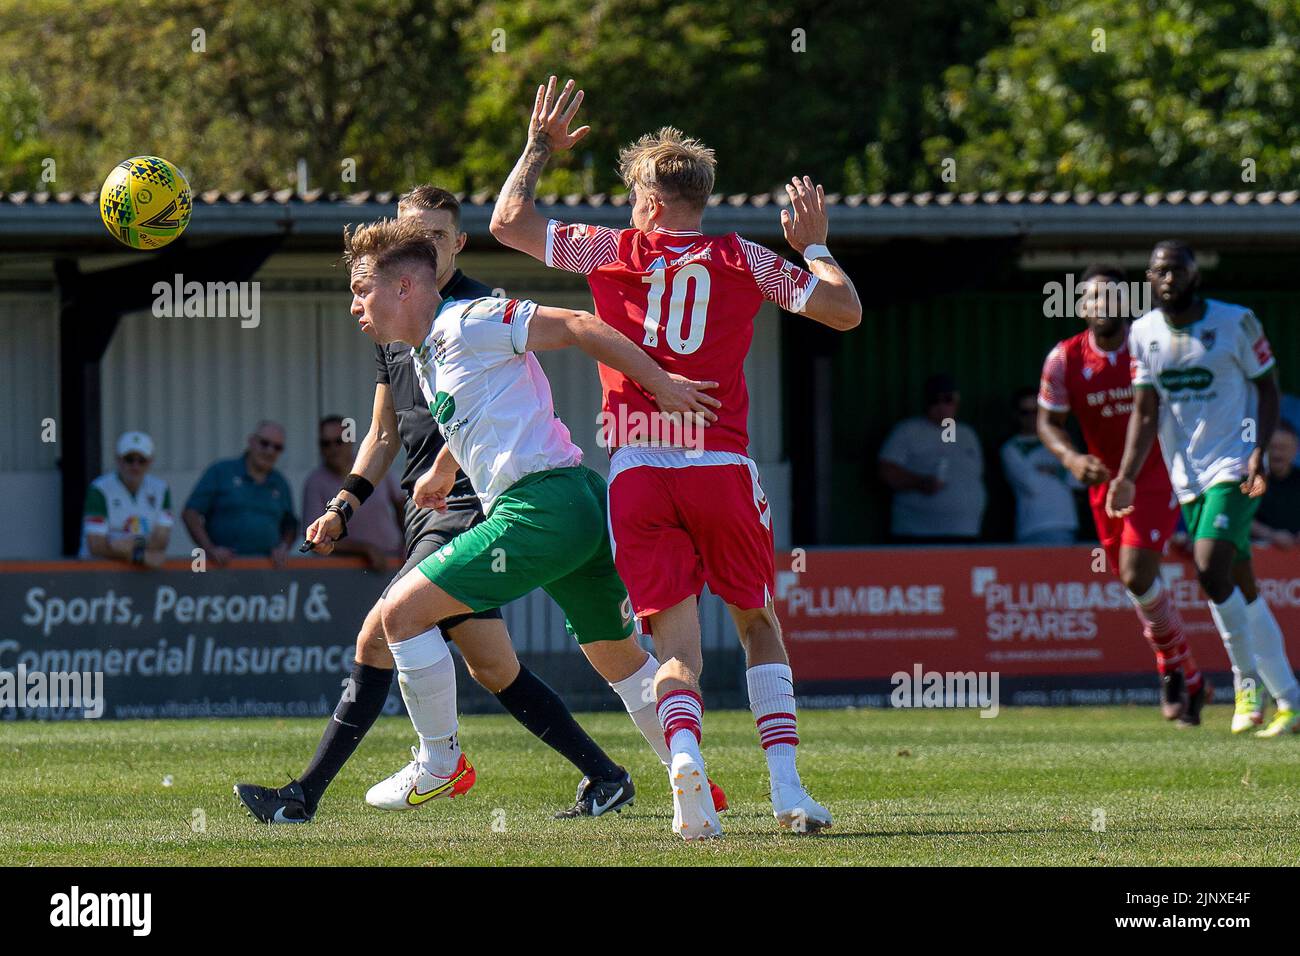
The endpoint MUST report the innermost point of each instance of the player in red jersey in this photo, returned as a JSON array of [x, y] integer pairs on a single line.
[[1089, 375], [686, 505]]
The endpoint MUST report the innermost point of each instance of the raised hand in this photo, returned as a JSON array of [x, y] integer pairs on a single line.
[[552, 114], [804, 223]]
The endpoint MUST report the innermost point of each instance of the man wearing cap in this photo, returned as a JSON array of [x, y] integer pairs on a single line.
[[935, 467], [128, 512]]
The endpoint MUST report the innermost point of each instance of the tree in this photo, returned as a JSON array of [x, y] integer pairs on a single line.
[[1129, 95]]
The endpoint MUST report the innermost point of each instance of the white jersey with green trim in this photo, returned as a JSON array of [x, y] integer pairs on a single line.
[[489, 395], [112, 511], [1204, 374]]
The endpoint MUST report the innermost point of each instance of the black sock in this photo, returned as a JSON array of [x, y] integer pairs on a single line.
[[362, 702], [531, 701]]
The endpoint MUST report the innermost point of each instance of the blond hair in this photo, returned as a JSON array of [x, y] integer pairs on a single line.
[[389, 241], [671, 164]]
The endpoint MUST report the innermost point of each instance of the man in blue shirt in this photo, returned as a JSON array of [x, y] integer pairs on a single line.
[[243, 506]]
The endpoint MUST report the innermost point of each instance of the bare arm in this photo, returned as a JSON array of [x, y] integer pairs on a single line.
[[1143, 426], [374, 457], [1270, 405], [552, 328], [515, 220], [834, 300], [1088, 469]]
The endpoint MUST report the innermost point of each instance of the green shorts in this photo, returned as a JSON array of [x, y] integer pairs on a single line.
[[1224, 513], [548, 530]]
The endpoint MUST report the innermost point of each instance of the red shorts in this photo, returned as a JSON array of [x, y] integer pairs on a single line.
[[1149, 526], [677, 528]]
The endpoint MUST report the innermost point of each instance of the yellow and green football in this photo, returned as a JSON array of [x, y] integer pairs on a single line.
[[145, 202]]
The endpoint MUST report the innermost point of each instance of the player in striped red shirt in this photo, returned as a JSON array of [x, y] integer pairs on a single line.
[[686, 505], [1089, 375]]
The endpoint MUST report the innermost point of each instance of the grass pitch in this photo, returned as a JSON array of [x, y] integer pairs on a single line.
[[1081, 786]]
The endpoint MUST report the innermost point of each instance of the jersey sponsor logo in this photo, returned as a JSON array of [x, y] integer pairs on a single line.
[[443, 407], [697, 256], [657, 264], [1184, 379]]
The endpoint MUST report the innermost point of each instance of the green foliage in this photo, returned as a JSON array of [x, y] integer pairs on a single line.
[[864, 96], [1129, 94]]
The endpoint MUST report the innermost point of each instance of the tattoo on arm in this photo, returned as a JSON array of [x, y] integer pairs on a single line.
[[522, 186]]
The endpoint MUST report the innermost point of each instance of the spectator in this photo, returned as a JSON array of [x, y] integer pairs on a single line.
[[1045, 508], [1290, 411], [375, 530], [243, 505], [935, 468], [128, 512], [1277, 521]]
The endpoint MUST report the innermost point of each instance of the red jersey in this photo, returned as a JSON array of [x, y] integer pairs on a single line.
[[689, 300], [1097, 387]]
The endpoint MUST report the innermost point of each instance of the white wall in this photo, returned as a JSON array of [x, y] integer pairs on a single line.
[[29, 394]]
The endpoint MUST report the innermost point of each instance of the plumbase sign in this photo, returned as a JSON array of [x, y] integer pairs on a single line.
[[248, 642]]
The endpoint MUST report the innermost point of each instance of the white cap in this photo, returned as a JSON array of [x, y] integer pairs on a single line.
[[137, 442]]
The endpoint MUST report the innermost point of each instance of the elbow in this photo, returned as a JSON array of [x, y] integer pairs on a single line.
[[502, 224], [852, 317]]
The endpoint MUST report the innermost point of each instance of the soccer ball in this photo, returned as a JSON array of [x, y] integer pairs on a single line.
[[145, 202]]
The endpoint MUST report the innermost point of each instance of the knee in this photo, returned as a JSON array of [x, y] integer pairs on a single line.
[[1137, 580], [1215, 587], [391, 618], [494, 676]]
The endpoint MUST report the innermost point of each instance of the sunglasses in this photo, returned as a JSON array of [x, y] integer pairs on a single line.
[[332, 442], [135, 460], [270, 445]]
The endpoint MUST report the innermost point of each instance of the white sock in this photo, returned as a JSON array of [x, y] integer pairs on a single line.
[[771, 701], [638, 695], [427, 679], [1233, 621], [685, 712], [1270, 655]]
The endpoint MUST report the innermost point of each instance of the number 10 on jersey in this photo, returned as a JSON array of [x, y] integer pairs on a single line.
[[695, 274]]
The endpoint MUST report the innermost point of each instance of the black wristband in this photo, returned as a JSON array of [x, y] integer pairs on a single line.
[[357, 485]]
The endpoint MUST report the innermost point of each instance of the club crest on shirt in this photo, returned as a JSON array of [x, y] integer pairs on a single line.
[[1087, 373], [439, 348], [1207, 339]]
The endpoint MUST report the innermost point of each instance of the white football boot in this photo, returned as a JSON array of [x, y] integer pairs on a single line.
[[694, 817], [414, 786], [797, 811]]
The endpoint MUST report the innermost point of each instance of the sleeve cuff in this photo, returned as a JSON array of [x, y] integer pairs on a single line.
[[519, 326], [802, 302], [551, 226]]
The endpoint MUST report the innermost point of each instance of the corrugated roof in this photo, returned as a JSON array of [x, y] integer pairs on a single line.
[[735, 200], [34, 220]]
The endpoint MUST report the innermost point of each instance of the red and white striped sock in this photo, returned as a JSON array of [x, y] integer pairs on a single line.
[[681, 713], [1162, 626], [771, 701]]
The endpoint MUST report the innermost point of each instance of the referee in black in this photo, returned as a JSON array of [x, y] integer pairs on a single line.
[[401, 418]]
